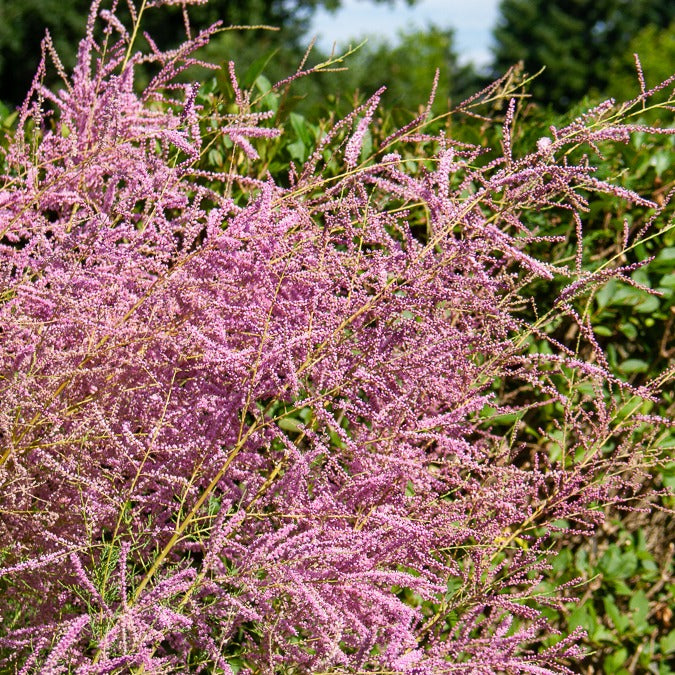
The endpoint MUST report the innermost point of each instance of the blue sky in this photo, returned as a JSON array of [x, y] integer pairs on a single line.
[[472, 20]]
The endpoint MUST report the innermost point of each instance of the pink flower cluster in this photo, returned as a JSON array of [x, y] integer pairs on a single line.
[[243, 433]]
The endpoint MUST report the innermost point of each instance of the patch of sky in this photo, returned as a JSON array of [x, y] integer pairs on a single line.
[[472, 21]]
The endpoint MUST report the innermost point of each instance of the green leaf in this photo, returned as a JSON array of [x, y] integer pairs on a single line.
[[618, 564], [667, 292], [638, 139], [613, 662], [263, 85], [562, 561], [601, 634], [366, 146], [270, 98], [586, 388], [650, 568], [642, 301], [581, 560], [215, 158], [213, 505], [297, 151], [290, 424], [641, 276], [664, 261], [585, 617], [620, 620], [646, 656], [302, 128], [621, 588], [667, 643], [667, 440], [8, 120], [606, 293], [256, 68], [641, 252], [630, 366], [639, 605], [668, 281], [660, 161], [629, 330]]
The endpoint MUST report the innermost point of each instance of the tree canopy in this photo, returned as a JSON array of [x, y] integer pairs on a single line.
[[406, 68], [23, 25], [575, 40]]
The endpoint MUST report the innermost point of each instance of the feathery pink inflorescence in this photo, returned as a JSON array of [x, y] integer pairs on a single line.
[[251, 433]]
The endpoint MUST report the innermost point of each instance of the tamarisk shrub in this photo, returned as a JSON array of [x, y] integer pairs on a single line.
[[243, 420]]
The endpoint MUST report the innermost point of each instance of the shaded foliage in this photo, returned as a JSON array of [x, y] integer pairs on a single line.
[[576, 41], [22, 27]]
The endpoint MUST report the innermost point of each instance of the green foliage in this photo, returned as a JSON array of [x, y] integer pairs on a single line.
[[655, 45], [407, 69], [627, 568], [23, 24], [626, 611], [7, 119], [575, 41], [634, 326], [22, 27]]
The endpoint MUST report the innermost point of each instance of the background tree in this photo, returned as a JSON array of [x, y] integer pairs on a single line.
[[23, 24], [407, 69], [576, 40], [22, 27], [655, 46]]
